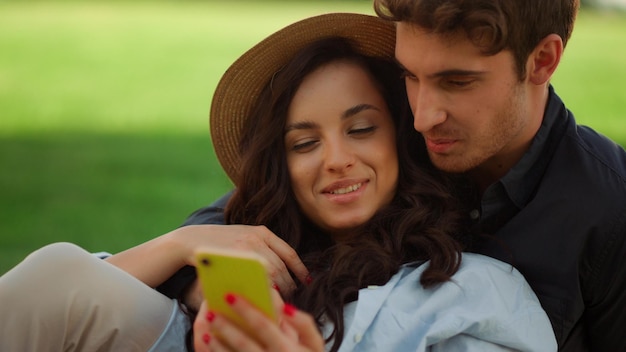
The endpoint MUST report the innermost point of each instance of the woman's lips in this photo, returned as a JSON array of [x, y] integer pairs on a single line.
[[343, 192]]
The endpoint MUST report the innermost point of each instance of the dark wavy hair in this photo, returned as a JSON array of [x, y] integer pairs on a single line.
[[418, 225], [494, 25]]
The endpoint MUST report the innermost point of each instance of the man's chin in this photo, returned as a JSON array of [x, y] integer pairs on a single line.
[[451, 164]]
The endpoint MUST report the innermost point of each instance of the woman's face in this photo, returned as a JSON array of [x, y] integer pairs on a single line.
[[341, 148]]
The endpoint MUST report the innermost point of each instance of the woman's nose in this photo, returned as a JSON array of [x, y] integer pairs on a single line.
[[338, 156]]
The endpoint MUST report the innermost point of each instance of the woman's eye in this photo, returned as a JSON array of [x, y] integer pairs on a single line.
[[364, 130], [304, 146]]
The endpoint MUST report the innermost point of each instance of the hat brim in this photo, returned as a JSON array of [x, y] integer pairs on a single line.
[[242, 83]]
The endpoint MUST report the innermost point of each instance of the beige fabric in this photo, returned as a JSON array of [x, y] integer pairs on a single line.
[[62, 298]]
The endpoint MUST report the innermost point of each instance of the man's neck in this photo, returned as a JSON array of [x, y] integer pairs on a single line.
[[496, 167]]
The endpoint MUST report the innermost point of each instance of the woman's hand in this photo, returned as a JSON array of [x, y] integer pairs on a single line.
[[155, 261], [295, 331], [279, 255]]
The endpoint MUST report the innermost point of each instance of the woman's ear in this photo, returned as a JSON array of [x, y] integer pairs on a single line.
[[544, 60]]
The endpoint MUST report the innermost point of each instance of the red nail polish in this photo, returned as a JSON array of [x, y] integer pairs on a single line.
[[230, 298], [275, 287], [206, 338], [210, 316], [308, 279], [289, 310]]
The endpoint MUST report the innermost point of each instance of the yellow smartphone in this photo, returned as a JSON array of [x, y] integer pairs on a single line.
[[243, 273]]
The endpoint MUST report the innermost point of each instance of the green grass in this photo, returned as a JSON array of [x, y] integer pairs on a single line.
[[104, 114], [104, 110], [592, 75], [103, 191]]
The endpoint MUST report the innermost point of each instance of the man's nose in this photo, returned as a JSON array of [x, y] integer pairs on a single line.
[[426, 107]]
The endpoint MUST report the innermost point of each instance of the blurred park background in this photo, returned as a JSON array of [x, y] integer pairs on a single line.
[[104, 106]]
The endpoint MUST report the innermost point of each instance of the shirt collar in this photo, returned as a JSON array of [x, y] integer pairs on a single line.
[[522, 180]]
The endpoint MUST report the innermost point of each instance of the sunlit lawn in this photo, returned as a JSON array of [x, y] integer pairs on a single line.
[[104, 110]]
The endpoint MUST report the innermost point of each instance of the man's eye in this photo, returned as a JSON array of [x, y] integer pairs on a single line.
[[459, 83], [408, 75]]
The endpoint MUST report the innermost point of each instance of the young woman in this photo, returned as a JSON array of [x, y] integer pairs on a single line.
[[312, 127], [344, 184]]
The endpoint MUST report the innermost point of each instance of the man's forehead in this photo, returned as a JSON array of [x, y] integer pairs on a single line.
[[417, 46], [449, 39]]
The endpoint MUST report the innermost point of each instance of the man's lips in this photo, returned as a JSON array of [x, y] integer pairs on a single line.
[[439, 145]]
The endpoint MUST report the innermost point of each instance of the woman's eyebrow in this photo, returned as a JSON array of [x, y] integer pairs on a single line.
[[307, 125], [301, 125], [357, 109]]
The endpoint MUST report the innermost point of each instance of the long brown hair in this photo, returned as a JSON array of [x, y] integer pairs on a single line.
[[416, 226]]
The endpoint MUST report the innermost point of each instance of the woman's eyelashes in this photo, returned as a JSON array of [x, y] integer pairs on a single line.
[[362, 131], [303, 145]]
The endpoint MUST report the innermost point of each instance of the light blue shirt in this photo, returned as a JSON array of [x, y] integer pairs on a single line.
[[488, 306]]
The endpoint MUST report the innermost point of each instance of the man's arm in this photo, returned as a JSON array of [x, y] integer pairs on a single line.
[[205, 226], [212, 214]]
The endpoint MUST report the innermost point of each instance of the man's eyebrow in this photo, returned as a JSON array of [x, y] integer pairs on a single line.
[[444, 73], [456, 72]]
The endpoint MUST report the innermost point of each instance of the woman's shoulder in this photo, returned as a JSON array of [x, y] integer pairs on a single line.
[[486, 300], [482, 278], [481, 259], [477, 263], [472, 265], [489, 275], [478, 278]]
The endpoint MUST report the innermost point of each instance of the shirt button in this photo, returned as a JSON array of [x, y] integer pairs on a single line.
[[358, 338], [474, 214]]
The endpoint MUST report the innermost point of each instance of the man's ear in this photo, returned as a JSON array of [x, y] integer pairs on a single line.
[[544, 60]]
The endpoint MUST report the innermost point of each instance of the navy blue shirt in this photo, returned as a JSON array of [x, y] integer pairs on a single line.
[[559, 216]]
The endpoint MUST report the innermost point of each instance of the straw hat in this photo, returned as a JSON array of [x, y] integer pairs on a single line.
[[242, 83]]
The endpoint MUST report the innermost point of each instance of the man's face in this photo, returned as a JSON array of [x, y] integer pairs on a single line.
[[471, 108]]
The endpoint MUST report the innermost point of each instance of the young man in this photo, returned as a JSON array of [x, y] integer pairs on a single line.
[[550, 193], [550, 196]]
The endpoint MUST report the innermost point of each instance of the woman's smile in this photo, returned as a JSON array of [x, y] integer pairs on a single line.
[[345, 194], [341, 154]]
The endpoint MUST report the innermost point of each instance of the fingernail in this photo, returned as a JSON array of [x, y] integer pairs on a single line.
[[275, 287], [206, 338], [230, 298], [289, 310], [210, 316], [308, 279]]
